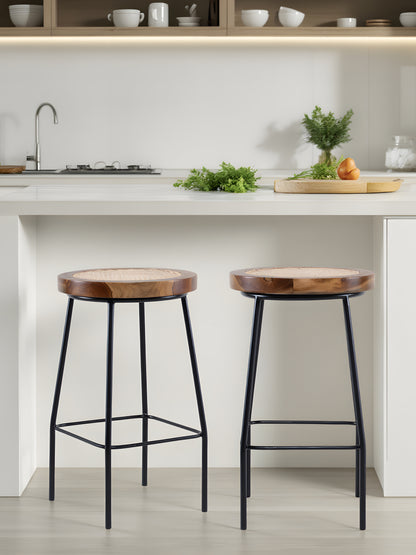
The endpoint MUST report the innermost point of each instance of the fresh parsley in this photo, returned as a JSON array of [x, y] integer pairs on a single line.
[[320, 171], [227, 178]]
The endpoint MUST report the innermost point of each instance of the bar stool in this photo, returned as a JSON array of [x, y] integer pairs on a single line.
[[128, 285], [300, 284]]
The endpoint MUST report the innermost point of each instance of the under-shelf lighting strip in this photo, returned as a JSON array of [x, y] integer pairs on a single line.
[[217, 40]]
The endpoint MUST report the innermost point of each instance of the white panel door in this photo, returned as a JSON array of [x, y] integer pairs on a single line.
[[400, 373]]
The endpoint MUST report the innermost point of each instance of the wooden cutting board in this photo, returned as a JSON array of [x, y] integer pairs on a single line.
[[338, 186], [12, 169]]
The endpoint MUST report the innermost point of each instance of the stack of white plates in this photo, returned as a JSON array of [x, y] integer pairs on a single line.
[[26, 15], [188, 21]]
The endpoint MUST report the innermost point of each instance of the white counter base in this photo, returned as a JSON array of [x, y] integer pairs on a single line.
[[211, 246]]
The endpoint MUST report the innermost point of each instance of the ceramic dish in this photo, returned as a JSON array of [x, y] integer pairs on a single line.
[[254, 18]]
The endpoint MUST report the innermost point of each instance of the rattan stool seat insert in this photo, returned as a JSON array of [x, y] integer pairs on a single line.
[[301, 280], [127, 283]]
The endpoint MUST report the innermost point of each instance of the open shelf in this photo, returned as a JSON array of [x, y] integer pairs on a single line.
[[322, 32], [89, 18], [320, 18], [138, 32], [8, 29], [85, 18]]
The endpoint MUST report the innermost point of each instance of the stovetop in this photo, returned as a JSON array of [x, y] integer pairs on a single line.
[[86, 169]]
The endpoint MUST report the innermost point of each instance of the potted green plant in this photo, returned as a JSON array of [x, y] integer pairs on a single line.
[[327, 132]]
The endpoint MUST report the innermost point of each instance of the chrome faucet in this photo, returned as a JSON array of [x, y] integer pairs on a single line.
[[36, 157]]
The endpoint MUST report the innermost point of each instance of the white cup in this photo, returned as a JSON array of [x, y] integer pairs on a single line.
[[347, 22], [126, 18], [158, 14]]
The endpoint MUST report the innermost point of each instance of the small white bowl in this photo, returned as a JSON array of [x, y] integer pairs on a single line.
[[288, 10], [26, 15], [254, 18], [408, 19], [188, 21], [289, 17], [347, 22], [25, 7]]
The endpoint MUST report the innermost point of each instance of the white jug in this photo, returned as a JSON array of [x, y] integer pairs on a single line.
[[158, 15]]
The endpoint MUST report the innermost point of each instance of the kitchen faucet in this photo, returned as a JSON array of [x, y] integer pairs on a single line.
[[36, 157]]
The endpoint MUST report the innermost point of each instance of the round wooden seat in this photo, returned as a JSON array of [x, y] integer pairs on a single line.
[[301, 281], [127, 283]]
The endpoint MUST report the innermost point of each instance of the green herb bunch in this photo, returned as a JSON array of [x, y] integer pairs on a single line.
[[227, 178], [326, 131], [320, 171]]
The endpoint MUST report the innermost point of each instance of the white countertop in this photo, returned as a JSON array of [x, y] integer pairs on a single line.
[[155, 195]]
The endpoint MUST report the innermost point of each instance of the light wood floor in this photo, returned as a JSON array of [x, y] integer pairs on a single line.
[[292, 511]]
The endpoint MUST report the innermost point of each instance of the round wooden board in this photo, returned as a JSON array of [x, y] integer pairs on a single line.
[[338, 186], [12, 169]]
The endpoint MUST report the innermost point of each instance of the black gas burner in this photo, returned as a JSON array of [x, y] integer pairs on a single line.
[[86, 169]]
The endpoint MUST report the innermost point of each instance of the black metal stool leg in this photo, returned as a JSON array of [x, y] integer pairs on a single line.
[[145, 408], [358, 412], [200, 403], [248, 405], [56, 397], [248, 491], [108, 414], [357, 465]]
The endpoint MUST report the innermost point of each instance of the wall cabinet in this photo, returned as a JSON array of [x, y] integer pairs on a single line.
[[89, 18]]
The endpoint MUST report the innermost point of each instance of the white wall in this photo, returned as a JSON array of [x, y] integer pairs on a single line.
[[179, 104], [303, 365]]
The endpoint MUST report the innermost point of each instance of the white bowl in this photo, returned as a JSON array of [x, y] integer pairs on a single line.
[[408, 19], [254, 18], [28, 10], [288, 10], [347, 22], [289, 17], [25, 7], [26, 15], [188, 19]]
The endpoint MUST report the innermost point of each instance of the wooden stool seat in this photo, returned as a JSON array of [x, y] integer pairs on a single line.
[[127, 283], [301, 281]]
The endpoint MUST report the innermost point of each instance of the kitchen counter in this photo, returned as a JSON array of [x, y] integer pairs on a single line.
[[155, 195], [50, 224]]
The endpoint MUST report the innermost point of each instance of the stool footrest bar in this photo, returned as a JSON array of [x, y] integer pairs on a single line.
[[300, 447], [61, 428], [318, 422]]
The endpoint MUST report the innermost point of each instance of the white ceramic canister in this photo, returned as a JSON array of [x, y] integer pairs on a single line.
[[158, 15]]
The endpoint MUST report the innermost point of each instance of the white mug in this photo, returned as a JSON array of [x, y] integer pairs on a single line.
[[158, 14], [126, 18]]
